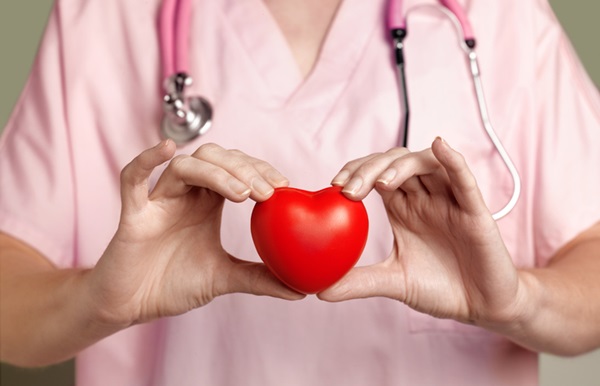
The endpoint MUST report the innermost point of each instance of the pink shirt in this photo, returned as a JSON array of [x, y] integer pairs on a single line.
[[92, 103]]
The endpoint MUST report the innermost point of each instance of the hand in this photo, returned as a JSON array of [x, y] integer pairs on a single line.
[[448, 258], [166, 257]]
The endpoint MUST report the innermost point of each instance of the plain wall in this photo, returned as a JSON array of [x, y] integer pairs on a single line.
[[21, 25]]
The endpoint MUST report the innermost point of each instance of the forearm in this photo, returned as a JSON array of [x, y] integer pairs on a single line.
[[561, 311], [46, 315]]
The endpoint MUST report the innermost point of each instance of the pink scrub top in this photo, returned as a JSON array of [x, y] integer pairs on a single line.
[[93, 102]]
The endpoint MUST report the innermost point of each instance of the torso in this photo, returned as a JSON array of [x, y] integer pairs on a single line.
[[307, 128]]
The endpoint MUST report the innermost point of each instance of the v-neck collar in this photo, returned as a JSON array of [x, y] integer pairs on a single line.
[[269, 51]]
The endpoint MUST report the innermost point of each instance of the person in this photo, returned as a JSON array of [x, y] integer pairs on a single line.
[[118, 250]]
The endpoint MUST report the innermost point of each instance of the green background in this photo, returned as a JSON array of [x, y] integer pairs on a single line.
[[21, 25]]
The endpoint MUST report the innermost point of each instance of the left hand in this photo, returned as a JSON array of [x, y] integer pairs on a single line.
[[448, 258]]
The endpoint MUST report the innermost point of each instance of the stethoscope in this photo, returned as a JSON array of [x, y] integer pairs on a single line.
[[186, 118]]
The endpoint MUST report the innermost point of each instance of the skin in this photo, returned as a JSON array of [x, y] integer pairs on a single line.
[[304, 24], [150, 260], [152, 268], [448, 259]]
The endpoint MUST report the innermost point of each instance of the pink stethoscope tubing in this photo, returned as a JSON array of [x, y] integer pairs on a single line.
[[396, 17], [397, 23], [174, 27], [187, 118]]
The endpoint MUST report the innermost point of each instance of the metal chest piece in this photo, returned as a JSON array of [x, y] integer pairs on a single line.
[[184, 118]]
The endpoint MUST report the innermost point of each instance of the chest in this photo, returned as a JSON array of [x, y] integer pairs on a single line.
[[307, 127], [304, 25]]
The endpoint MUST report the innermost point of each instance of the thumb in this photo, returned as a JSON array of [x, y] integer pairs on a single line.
[[462, 182], [365, 282], [256, 279], [134, 176]]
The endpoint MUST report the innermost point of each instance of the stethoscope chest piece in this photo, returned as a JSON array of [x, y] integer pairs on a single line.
[[185, 118]]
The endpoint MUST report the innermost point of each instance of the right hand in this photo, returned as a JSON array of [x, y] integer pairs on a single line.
[[166, 257]]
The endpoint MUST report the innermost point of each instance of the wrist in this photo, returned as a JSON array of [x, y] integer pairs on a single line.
[[95, 313], [516, 320], [52, 319]]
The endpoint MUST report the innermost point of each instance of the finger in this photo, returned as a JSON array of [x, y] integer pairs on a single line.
[[437, 182], [134, 176], [270, 174], [414, 186], [365, 172], [349, 168], [405, 172], [462, 182], [185, 172], [259, 175], [365, 282], [256, 279]]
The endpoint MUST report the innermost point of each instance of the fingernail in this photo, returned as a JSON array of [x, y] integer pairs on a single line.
[[341, 178], [277, 179], [387, 176], [239, 187], [261, 187], [163, 143], [442, 140], [353, 186]]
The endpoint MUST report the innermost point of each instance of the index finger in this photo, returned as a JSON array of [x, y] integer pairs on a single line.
[[259, 175], [186, 172]]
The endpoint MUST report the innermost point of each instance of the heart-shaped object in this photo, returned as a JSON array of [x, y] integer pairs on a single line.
[[309, 240]]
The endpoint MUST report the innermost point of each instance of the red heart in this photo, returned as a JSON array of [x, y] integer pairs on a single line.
[[309, 240]]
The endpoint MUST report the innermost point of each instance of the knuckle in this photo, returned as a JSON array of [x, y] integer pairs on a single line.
[[126, 172], [347, 166], [369, 167], [460, 160], [262, 165], [397, 151], [207, 149], [132, 168], [177, 163], [409, 161], [460, 168], [243, 169], [357, 163], [237, 153], [352, 165]]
